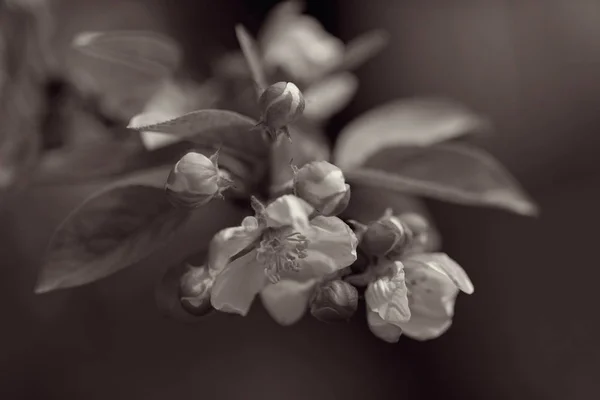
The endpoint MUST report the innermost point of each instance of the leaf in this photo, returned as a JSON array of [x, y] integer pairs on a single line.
[[363, 48], [329, 96], [147, 52], [253, 57], [446, 266], [388, 297], [112, 230], [453, 173], [417, 122], [228, 130]]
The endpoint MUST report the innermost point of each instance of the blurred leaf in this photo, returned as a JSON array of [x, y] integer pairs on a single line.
[[112, 230], [453, 173], [363, 48], [230, 131], [417, 122], [174, 98], [148, 52], [121, 70], [329, 96], [253, 58]]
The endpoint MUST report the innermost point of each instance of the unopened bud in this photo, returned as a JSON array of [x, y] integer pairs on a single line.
[[421, 237], [334, 301], [322, 185], [195, 180], [386, 236], [281, 104], [194, 291]]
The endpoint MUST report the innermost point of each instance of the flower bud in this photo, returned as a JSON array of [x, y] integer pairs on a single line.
[[334, 301], [386, 236], [422, 238], [281, 104], [195, 180], [323, 186], [194, 291]]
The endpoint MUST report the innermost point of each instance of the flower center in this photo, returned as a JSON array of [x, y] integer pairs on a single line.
[[280, 250]]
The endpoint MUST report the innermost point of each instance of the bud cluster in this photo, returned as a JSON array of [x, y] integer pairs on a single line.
[[194, 291]]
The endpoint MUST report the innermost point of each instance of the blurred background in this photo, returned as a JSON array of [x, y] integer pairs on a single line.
[[528, 332]]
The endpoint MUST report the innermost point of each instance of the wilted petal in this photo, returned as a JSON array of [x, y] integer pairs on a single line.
[[334, 238], [383, 330], [230, 241], [235, 288], [288, 210], [388, 297], [287, 300]]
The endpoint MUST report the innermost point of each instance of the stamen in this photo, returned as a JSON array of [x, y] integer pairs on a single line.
[[280, 250]]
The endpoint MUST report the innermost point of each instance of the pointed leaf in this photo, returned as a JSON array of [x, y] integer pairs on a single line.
[[417, 122], [110, 231], [253, 57], [454, 173], [147, 52], [329, 96]]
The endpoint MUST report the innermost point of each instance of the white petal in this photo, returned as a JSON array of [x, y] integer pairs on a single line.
[[334, 238], [447, 266], [383, 330], [288, 210], [155, 140], [423, 328], [235, 288], [287, 300], [230, 241], [388, 297]]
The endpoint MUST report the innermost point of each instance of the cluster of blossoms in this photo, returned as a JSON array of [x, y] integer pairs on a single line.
[[297, 254]]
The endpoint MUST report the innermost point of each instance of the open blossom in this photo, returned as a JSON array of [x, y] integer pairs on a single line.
[[415, 296], [280, 253], [323, 186], [195, 180]]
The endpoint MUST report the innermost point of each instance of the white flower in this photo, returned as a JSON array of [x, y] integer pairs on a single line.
[[429, 285], [280, 253]]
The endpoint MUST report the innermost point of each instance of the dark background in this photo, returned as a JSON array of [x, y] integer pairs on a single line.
[[529, 332]]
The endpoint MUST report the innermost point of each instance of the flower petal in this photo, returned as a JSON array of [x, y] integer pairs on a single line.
[[420, 327], [388, 297], [230, 241], [288, 210], [447, 266], [235, 288], [334, 238], [287, 300], [383, 330], [432, 297]]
